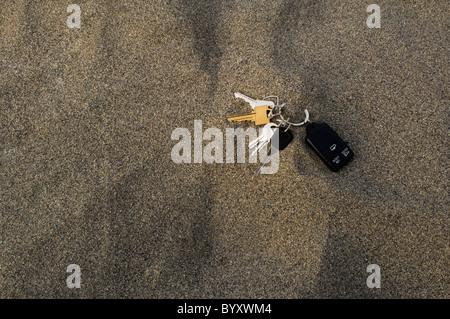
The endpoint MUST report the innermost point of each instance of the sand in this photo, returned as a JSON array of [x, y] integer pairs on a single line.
[[87, 176]]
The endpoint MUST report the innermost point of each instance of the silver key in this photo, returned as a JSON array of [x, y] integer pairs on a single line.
[[263, 163], [274, 148], [263, 139], [254, 103]]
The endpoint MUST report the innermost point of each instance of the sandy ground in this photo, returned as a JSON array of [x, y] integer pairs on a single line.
[[85, 139]]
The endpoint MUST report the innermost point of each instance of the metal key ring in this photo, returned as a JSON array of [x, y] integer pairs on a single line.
[[295, 124], [283, 120], [271, 97]]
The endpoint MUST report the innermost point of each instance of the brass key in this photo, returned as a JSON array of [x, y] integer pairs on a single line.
[[260, 115]]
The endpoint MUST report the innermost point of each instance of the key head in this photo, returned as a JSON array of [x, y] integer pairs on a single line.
[[285, 139], [327, 144], [254, 103], [267, 131], [266, 134], [263, 114]]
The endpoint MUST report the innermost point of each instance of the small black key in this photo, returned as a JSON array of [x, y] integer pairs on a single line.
[[285, 138], [325, 142]]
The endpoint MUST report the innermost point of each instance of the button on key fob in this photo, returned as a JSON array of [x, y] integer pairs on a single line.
[[325, 142]]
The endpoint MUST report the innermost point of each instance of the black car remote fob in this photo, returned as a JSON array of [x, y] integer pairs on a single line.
[[327, 144]]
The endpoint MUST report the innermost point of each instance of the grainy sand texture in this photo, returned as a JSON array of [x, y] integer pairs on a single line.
[[87, 176]]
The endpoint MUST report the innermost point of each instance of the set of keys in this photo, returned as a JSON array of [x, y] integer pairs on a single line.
[[324, 141]]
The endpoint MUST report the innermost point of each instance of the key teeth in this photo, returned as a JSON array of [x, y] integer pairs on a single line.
[[238, 95]]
